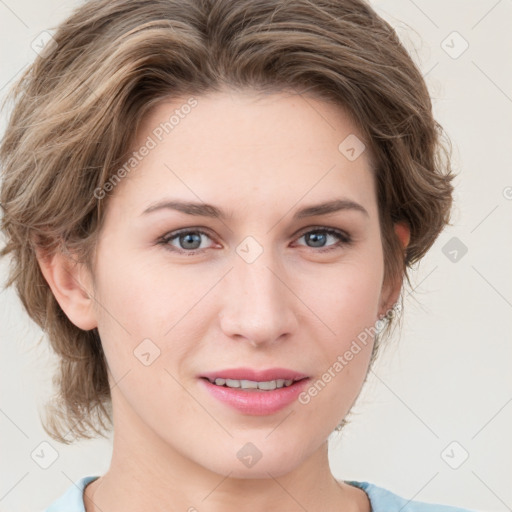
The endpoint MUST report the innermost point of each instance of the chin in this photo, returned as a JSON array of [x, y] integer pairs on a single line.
[[253, 462]]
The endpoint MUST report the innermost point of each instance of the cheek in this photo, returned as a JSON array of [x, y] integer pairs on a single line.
[[347, 302], [127, 304], [348, 306], [144, 309], [347, 295], [139, 295]]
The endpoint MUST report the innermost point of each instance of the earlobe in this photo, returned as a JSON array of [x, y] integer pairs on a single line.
[[71, 285]]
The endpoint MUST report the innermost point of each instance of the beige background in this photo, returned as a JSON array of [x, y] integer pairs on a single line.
[[447, 379]]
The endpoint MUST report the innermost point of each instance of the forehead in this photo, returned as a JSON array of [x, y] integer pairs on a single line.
[[249, 121], [246, 146]]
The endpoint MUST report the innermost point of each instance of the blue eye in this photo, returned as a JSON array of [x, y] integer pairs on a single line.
[[319, 236], [190, 240]]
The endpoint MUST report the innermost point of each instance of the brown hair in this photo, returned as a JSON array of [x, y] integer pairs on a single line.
[[76, 108]]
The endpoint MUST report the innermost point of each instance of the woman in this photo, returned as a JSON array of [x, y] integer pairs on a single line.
[[222, 200]]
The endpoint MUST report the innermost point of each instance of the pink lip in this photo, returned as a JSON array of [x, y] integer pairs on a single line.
[[255, 375], [256, 402]]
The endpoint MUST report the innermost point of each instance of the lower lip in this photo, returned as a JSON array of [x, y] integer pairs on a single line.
[[257, 403]]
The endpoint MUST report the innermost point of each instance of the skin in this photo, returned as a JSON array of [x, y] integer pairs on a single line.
[[260, 158]]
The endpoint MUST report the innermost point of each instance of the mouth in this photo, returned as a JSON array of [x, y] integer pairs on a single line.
[[250, 379], [252, 385], [254, 392]]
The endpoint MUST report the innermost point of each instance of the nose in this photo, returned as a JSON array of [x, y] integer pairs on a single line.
[[257, 303]]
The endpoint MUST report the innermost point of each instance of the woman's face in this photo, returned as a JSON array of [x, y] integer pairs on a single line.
[[251, 282]]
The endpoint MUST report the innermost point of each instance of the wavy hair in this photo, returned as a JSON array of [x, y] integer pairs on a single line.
[[76, 107]]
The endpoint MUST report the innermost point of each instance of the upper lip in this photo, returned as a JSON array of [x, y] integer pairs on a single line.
[[255, 375]]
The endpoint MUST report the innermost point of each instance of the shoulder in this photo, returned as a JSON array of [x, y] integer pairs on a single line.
[[72, 500], [383, 500]]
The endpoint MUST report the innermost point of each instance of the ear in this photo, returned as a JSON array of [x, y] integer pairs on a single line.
[[71, 285], [403, 232], [388, 299]]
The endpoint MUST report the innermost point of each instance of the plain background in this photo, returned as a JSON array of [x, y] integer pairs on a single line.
[[431, 422]]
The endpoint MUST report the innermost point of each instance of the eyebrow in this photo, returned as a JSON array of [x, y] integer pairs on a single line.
[[208, 210]]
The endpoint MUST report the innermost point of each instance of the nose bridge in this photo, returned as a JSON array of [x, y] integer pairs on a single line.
[[257, 304]]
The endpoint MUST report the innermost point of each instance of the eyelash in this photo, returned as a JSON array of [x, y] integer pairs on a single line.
[[344, 239]]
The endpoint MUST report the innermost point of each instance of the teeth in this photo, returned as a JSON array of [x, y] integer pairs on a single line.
[[250, 384]]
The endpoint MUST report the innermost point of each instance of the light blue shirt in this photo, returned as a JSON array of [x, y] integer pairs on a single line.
[[381, 499]]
